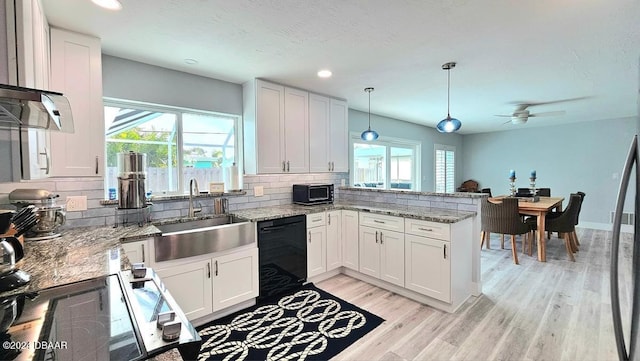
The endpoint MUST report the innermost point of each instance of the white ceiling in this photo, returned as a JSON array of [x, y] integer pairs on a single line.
[[507, 51]]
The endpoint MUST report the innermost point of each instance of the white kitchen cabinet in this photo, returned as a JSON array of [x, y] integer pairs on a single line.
[[235, 278], [428, 266], [382, 247], [339, 136], [76, 71], [350, 229], [136, 252], [190, 285], [329, 145], [316, 244], [276, 125], [334, 240], [28, 66], [203, 285]]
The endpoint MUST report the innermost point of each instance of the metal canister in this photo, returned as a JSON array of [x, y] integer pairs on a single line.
[[132, 167]]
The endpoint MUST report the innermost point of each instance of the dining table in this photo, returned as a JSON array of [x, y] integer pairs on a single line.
[[539, 208]]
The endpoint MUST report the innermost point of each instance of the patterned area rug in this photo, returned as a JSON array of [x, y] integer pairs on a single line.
[[307, 324]]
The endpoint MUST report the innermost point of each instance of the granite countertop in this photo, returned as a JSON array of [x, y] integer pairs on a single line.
[[429, 214], [89, 252]]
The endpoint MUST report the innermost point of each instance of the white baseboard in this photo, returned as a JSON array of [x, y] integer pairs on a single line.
[[625, 228]]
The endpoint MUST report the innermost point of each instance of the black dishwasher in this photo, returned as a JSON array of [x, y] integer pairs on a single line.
[[282, 247]]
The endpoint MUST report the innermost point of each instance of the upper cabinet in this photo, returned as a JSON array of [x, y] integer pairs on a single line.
[[76, 71], [328, 123], [28, 44], [288, 130], [276, 128]]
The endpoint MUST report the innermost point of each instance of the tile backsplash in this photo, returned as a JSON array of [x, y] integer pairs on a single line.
[[277, 191]]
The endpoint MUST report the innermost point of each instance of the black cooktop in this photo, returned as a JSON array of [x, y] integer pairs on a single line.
[[92, 320]]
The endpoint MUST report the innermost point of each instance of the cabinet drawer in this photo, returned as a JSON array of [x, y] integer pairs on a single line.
[[427, 229], [382, 221], [316, 219]]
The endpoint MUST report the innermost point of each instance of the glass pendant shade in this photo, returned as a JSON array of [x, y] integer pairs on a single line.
[[448, 124], [369, 134]]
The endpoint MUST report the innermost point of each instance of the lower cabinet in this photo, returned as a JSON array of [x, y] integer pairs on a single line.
[[382, 254], [428, 267], [204, 286], [334, 240], [350, 230], [136, 252], [316, 244]]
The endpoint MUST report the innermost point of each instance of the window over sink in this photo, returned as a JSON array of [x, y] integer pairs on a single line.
[[180, 144]]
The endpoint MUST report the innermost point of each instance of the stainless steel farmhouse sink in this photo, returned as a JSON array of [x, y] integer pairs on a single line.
[[203, 236]]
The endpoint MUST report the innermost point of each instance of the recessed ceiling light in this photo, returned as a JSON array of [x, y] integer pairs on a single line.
[[108, 4], [191, 61], [324, 73]]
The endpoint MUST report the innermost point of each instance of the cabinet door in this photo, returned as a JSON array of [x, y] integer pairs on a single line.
[[235, 278], [338, 142], [76, 71], [135, 251], [190, 285], [392, 257], [369, 251], [428, 267], [316, 251], [350, 252], [270, 127], [334, 240], [35, 147], [319, 113], [296, 130]]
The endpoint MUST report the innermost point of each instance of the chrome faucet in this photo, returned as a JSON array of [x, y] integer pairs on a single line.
[[193, 186]]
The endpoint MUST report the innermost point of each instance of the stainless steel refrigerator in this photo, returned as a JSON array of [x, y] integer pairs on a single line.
[[627, 349]]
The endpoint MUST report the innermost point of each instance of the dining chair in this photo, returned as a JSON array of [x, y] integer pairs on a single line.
[[503, 218], [564, 223], [556, 214]]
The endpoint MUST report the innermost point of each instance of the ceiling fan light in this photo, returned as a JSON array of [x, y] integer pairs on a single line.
[[108, 4], [448, 125]]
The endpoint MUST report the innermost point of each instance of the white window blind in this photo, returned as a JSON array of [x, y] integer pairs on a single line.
[[445, 168]]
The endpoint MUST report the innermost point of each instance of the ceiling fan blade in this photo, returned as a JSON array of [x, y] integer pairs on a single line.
[[503, 115], [548, 114], [507, 122], [530, 104]]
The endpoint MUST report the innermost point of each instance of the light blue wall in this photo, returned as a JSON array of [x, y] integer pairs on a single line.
[[359, 121], [568, 158], [130, 80]]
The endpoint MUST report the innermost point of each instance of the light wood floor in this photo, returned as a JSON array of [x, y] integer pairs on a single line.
[[558, 310]]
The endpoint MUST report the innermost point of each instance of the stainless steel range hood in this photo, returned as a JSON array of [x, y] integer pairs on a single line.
[[33, 108]]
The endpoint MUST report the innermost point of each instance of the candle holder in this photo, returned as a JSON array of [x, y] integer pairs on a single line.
[[512, 186], [532, 186]]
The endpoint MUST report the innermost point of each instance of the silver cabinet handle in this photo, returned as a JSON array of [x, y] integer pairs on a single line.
[[288, 169], [96, 164], [329, 169], [284, 166], [142, 246], [376, 236], [381, 242], [333, 166], [425, 229], [329, 218], [208, 270], [46, 155], [309, 236], [216, 268], [444, 251], [377, 221]]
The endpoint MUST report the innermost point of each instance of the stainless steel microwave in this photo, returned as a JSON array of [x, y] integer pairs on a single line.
[[312, 193]]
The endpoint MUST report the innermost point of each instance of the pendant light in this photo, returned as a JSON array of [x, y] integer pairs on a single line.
[[369, 134], [448, 124]]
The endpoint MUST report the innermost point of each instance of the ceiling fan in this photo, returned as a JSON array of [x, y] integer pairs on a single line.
[[520, 115]]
